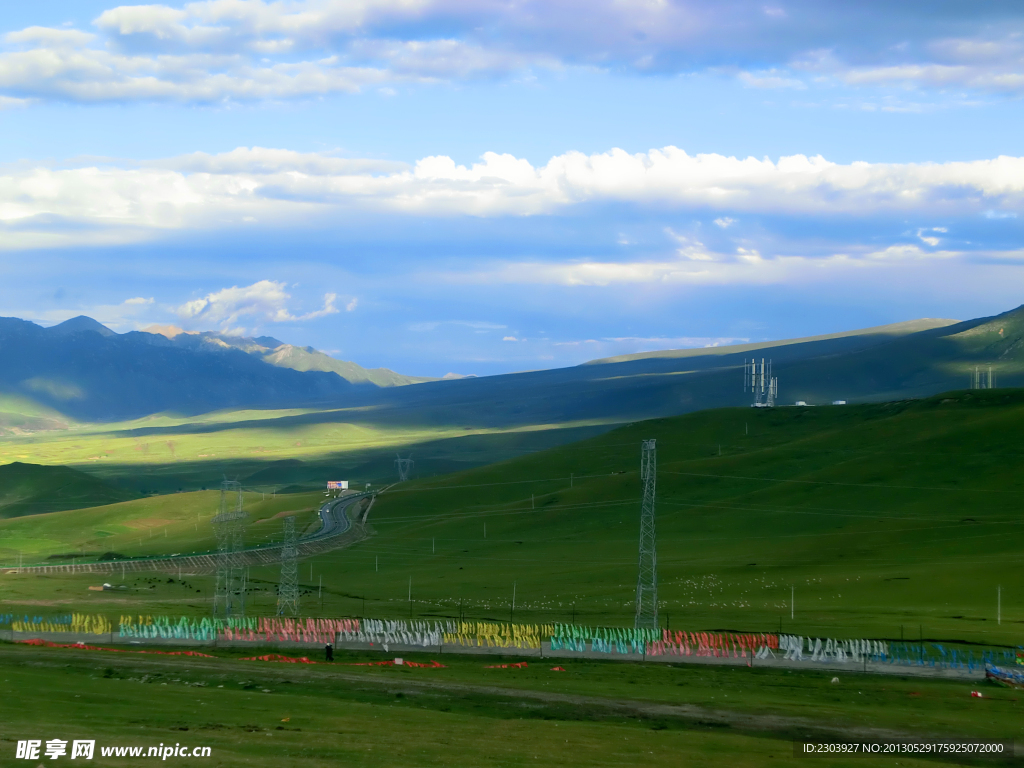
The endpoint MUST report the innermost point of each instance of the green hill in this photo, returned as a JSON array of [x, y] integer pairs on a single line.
[[31, 489], [884, 518], [309, 359], [912, 359]]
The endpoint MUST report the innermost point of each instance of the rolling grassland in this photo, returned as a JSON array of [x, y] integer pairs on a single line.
[[274, 448], [593, 713], [882, 521]]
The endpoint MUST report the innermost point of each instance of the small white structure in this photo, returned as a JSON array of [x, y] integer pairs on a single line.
[[800, 402], [838, 402]]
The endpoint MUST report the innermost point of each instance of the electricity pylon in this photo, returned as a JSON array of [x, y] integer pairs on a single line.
[[288, 590], [229, 525], [404, 467], [647, 579]]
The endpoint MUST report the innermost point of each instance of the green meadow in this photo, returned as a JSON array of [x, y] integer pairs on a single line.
[[591, 714], [156, 525], [164, 453], [884, 521]]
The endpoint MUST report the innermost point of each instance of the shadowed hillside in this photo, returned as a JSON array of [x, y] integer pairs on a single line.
[[29, 489]]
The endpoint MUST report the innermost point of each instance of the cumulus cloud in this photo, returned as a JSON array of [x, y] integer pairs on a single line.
[[740, 266], [265, 301], [216, 50], [46, 207]]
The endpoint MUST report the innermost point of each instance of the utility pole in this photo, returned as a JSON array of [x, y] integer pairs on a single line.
[[513, 611], [647, 576], [792, 597]]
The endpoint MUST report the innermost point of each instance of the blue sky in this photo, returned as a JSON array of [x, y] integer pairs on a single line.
[[490, 186]]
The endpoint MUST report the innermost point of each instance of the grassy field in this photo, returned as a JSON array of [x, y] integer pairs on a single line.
[[156, 525], [273, 448], [882, 521], [34, 489], [593, 714]]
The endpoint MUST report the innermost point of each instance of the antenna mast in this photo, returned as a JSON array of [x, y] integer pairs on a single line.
[[758, 379]]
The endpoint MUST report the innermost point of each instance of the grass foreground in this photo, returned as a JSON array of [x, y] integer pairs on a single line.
[[592, 714]]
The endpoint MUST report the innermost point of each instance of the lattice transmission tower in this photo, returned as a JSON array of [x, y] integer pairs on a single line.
[[229, 525], [288, 589], [404, 467], [647, 579]]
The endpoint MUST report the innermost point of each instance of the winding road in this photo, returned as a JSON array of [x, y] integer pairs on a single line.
[[339, 527]]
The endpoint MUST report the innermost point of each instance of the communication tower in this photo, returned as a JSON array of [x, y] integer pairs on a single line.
[[758, 379], [647, 578], [982, 379], [288, 589], [229, 525]]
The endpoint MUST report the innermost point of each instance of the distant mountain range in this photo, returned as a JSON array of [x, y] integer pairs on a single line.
[[282, 355], [911, 359], [82, 370]]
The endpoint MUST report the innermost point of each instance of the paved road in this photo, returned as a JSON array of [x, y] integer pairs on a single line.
[[337, 529]]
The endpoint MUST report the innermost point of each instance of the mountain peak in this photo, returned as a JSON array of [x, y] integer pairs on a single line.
[[80, 324], [169, 331]]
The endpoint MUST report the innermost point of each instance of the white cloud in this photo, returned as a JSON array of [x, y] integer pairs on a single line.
[[238, 50], [743, 266], [44, 207], [351, 306], [931, 240], [265, 300], [94, 75], [50, 37], [509, 338], [724, 222], [771, 79]]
